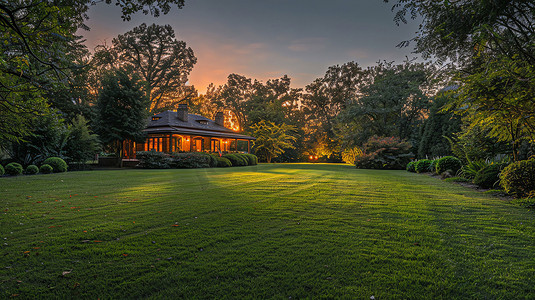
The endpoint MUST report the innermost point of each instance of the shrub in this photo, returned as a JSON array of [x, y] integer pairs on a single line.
[[46, 169], [448, 163], [433, 165], [223, 162], [253, 160], [244, 158], [411, 166], [384, 153], [518, 178], [488, 176], [422, 166], [13, 169], [190, 160], [57, 164], [153, 160], [2, 171], [471, 169], [235, 160], [32, 170]]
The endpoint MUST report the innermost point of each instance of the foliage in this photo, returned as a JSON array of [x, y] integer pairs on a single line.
[[411, 167], [236, 160], [38, 45], [433, 166], [350, 154], [153, 160], [81, 144], [518, 178], [489, 176], [422, 166], [57, 164], [471, 169], [46, 169], [213, 159], [472, 143], [392, 103], [121, 110], [190, 160], [272, 139], [13, 169], [31, 170], [384, 153], [2, 170], [251, 159], [155, 55], [448, 163], [437, 128], [223, 162]]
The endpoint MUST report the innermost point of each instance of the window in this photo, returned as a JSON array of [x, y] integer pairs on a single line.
[[156, 118]]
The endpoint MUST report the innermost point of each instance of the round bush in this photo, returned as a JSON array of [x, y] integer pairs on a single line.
[[448, 163], [433, 166], [2, 171], [244, 158], [411, 167], [46, 169], [235, 160], [32, 170], [422, 166], [518, 178], [488, 176], [13, 169], [252, 159], [57, 164], [223, 162]]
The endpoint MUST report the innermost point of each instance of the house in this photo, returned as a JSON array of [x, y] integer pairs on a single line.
[[174, 131]]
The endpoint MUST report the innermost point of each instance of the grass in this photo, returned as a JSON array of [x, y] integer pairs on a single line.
[[266, 231]]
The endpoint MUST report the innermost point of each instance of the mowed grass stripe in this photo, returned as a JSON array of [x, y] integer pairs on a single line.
[[267, 231]]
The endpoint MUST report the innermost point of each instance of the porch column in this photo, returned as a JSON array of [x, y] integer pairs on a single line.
[[190, 143]]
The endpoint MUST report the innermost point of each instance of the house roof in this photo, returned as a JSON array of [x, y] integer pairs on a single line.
[[168, 122]]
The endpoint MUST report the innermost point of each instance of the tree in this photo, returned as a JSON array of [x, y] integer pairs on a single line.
[[393, 103], [326, 97], [272, 139], [492, 44], [81, 144], [440, 126], [121, 111], [36, 42], [159, 58]]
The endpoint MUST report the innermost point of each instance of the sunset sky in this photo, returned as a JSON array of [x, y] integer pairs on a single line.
[[270, 38]]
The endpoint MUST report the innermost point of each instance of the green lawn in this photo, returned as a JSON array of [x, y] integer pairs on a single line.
[[267, 231]]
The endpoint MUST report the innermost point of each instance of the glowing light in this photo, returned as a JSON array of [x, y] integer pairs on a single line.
[[311, 157], [316, 157]]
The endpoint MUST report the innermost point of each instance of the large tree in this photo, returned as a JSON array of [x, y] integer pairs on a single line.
[[121, 110], [159, 58], [272, 139], [36, 41], [492, 45], [392, 103]]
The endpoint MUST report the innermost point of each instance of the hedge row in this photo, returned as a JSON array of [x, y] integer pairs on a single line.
[[191, 160], [51, 164], [517, 179]]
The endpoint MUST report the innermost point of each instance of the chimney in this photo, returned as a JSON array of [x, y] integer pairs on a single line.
[[220, 119], [182, 112]]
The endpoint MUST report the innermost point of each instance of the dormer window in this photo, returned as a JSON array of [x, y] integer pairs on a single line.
[[203, 122], [156, 118]]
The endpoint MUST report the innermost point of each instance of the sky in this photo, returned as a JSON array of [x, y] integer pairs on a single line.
[[265, 39]]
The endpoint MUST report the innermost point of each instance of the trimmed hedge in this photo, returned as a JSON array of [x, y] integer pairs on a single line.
[[153, 160], [518, 178], [14, 169], [236, 160], [32, 170], [422, 166], [191, 160], [448, 163], [57, 164], [252, 159], [2, 171], [223, 162], [46, 169]]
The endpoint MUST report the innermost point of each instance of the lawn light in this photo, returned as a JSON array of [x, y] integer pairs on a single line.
[[311, 157], [316, 157]]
